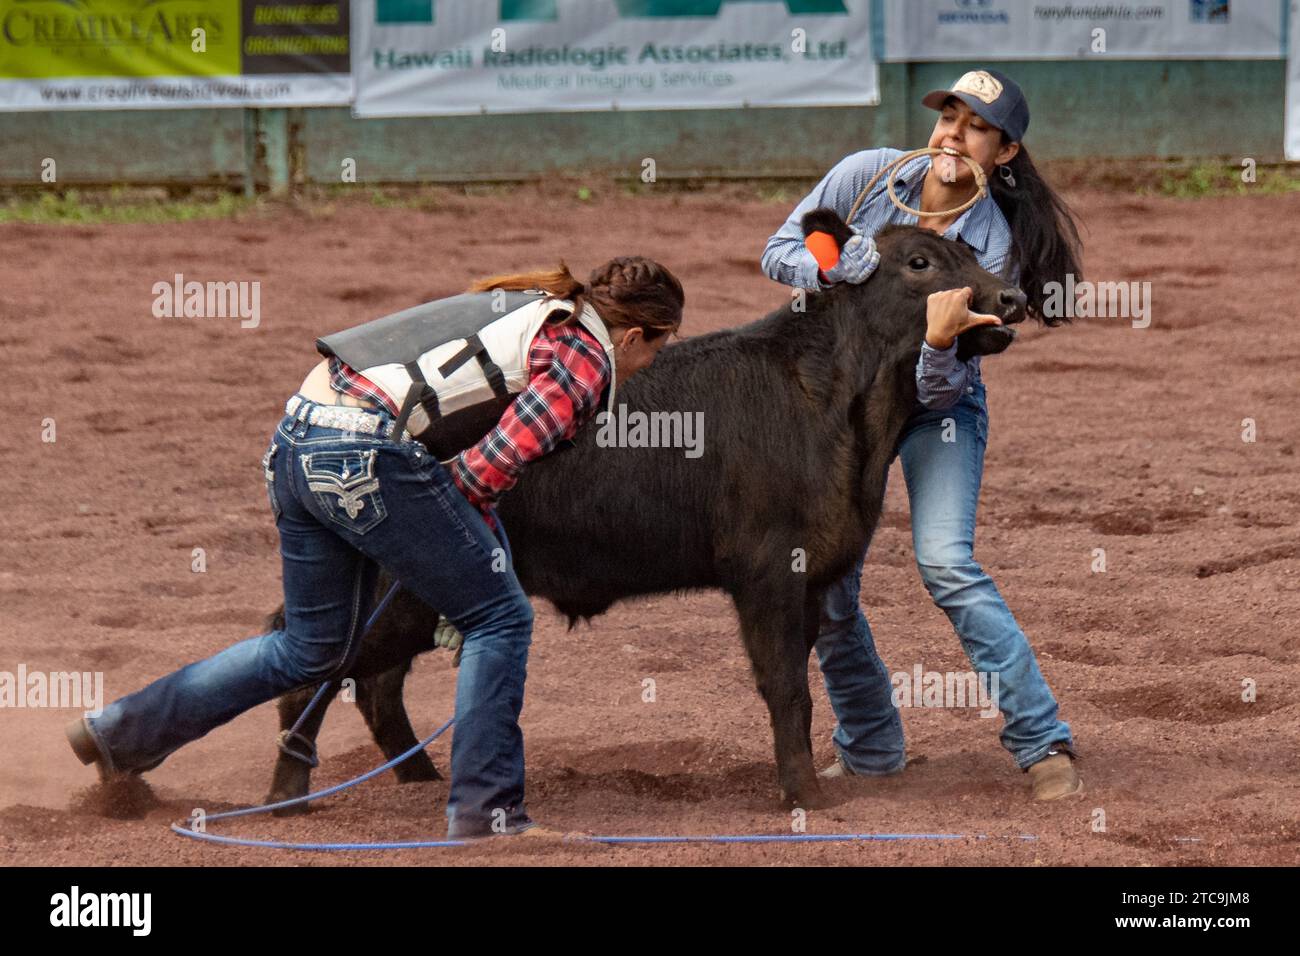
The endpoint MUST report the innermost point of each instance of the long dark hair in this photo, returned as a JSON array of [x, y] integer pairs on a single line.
[[630, 291], [1044, 234]]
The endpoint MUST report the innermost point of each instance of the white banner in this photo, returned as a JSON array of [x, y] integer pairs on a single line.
[[447, 57], [152, 92], [987, 30], [1293, 86]]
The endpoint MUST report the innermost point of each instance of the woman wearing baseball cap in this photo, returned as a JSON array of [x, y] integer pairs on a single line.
[[1023, 231]]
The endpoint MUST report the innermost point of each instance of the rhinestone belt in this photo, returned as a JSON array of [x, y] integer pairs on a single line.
[[345, 418]]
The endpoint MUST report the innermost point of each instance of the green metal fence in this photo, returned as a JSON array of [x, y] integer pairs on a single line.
[[1080, 109]]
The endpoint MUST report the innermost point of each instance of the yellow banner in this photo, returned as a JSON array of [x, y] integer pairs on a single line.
[[51, 39]]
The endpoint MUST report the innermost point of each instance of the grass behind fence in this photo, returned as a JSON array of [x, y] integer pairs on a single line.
[[55, 205]]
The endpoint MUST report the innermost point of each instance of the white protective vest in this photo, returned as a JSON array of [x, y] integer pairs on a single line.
[[452, 366]]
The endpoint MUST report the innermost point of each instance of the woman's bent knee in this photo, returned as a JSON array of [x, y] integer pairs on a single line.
[[299, 665], [509, 618], [943, 578]]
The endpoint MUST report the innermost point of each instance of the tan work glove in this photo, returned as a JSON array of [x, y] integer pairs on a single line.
[[446, 635]]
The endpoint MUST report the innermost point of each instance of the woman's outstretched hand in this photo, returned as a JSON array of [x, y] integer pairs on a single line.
[[948, 314]]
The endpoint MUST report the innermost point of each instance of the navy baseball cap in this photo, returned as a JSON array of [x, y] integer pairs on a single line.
[[992, 95]]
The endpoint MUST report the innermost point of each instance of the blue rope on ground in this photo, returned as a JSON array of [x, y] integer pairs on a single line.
[[188, 831], [609, 840], [799, 838], [278, 845]]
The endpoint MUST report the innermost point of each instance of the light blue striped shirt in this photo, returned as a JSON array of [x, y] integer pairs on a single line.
[[940, 377]]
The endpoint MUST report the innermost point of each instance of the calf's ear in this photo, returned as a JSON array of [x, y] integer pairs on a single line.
[[825, 234]]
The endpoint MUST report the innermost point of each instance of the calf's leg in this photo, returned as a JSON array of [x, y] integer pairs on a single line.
[[404, 629], [292, 776], [772, 623], [379, 698]]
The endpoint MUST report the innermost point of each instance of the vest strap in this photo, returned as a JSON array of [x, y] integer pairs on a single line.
[[496, 378], [419, 396], [474, 348]]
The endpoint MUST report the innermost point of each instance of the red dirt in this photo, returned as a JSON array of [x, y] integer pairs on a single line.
[[1103, 436]]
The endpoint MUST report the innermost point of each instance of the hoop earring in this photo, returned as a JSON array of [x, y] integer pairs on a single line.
[[1007, 175]]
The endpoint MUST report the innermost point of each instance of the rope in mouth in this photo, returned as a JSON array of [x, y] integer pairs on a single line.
[[981, 182]]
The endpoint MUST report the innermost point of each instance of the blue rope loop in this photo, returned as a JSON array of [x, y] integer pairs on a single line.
[[302, 718], [606, 840], [311, 758], [186, 830], [307, 755]]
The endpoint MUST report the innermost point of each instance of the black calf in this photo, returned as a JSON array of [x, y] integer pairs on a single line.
[[802, 410]]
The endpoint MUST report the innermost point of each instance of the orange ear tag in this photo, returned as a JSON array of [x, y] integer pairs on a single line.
[[824, 249]]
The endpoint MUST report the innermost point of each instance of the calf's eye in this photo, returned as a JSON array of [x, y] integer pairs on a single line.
[[918, 263]]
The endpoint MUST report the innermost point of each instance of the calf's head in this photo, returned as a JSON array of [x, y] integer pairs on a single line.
[[915, 262]]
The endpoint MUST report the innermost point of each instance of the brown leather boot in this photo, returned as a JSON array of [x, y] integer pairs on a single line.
[[84, 746], [1054, 776]]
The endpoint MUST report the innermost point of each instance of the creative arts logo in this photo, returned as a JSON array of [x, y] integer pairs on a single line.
[[83, 24]]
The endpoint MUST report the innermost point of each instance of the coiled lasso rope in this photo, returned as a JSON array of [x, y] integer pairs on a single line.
[[892, 168]]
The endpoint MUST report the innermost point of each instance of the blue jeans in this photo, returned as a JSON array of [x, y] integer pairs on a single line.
[[346, 503], [943, 484]]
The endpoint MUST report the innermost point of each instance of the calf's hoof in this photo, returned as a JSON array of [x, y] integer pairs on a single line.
[[295, 810], [808, 797], [417, 768]]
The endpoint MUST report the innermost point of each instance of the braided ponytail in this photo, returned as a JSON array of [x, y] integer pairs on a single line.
[[636, 292], [627, 292]]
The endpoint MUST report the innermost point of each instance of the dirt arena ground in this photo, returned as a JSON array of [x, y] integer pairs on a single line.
[[1103, 436]]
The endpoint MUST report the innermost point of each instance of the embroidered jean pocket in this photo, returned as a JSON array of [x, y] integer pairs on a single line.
[[268, 473], [346, 488]]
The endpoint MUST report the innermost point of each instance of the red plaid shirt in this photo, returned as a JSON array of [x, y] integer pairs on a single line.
[[344, 378], [568, 372]]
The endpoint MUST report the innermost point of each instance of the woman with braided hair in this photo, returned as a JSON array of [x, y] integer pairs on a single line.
[[392, 454]]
